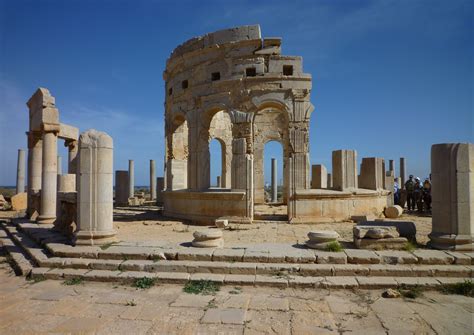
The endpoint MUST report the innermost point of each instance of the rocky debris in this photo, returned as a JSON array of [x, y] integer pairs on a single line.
[[391, 293], [19, 201]]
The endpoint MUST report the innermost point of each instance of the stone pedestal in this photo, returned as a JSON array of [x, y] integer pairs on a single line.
[[391, 166], [95, 201], [121, 188], [378, 237], [274, 181], [372, 174], [49, 178], [152, 180], [20, 172], [210, 238], [344, 169], [319, 176], [321, 239], [452, 191]]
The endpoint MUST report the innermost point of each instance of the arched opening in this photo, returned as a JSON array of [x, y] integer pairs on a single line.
[[177, 154], [220, 148], [217, 151], [273, 172]]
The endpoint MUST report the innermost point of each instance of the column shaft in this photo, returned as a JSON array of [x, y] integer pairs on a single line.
[[20, 172], [152, 180], [49, 178], [131, 178], [274, 180]]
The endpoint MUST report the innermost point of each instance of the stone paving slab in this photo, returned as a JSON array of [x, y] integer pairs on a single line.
[[231, 316], [357, 256], [433, 257]]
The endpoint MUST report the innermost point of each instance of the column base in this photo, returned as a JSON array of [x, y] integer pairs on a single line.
[[451, 242], [94, 237], [46, 219]]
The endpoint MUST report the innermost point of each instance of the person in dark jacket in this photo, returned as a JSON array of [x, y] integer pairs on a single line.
[[410, 188]]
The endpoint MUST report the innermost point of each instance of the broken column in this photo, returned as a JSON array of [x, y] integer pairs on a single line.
[[72, 156], [131, 179], [152, 180], [372, 174], [274, 180], [20, 172], [95, 190], [452, 178], [344, 169], [319, 176], [121, 188], [35, 158]]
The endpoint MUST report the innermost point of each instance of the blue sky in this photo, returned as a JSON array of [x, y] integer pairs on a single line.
[[390, 78]]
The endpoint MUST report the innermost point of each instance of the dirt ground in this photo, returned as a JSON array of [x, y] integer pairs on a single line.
[[147, 223]]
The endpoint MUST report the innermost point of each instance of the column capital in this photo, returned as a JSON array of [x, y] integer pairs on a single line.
[[71, 144]]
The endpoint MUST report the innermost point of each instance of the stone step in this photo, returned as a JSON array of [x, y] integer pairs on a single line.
[[282, 269], [54, 243], [240, 279], [21, 263]]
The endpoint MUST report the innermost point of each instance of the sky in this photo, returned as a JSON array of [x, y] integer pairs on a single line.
[[390, 78]]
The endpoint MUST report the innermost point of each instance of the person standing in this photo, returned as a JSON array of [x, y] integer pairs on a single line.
[[396, 192], [418, 194], [410, 189]]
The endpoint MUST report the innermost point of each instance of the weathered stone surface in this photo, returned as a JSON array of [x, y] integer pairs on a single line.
[[393, 212], [225, 316], [397, 257], [375, 232], [19, 201], [210, 238], [433, 257], [397, 243], [361, 257], [327, 257]]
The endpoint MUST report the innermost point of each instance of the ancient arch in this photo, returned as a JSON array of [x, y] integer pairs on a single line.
[[177, 153]]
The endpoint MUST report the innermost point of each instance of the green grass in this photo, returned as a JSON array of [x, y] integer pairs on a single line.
[[236, 290], [131, 303], [411, 292], [106, 246], [73, 281], [204, 287], [465, 288], [334, 246], [410, 246], [144, 283]]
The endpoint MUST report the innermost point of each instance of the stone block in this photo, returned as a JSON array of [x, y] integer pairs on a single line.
[[230, 316], [393, 212], [228, 255], [376, 282], [316, 270], [344, 169], [433, 257], [351, 270], [340, 282], [397, 243], [416, 281], [375, 232], [406, 229], [372, 173], [319, 175], [19, 201], [397, 257], [386, 270], [271, 281], [239, 279], [326, 257], [361, 256]]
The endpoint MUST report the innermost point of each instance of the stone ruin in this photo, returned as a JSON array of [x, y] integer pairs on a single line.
[[79, 203], [234, 86], [237, 87]]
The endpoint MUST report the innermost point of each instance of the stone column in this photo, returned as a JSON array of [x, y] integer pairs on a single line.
[[95, 199], [274, 180], [218, 181], [152, 180], [391, 166], [66, 204], [344, 169], [121, 188], [403, 169], [452, 177], [131, 178], [49, 178], [329, 180], [72, 156], [60, 166], [35, 159], [20, 172], [319, 176]]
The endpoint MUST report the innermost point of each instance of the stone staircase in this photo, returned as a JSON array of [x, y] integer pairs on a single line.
[[39, 252]]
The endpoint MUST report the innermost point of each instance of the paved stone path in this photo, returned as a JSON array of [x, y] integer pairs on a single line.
[[100, 308]]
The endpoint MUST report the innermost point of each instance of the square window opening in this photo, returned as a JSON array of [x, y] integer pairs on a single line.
[[250, 72], [215, 76], [287, 70]]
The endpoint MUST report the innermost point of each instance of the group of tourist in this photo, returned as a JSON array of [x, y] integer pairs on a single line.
[[417, 194]]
